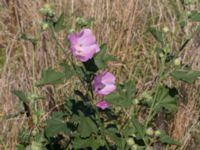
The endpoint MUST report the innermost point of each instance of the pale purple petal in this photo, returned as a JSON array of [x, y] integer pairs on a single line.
[[89, 40], [83, 45], [72, 39], [104, 83], [102, 104], [96, 83], [109, 88], [85, 33], [85, 53], [108, 78]]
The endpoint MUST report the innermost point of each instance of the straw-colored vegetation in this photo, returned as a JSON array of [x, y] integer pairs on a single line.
[[123, 25]]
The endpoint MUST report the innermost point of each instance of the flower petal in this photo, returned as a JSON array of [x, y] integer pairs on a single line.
[[72, 37], [108, 88], [86, 53], [102, 104], [108, 78]]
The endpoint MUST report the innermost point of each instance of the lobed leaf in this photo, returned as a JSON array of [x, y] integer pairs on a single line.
[[21, 95], [103, 57], [56, 125], [158, 35], [166, 99], [194, 16], [51, 76], [59, 24], [124, 95], [188, 76], [164, 138]]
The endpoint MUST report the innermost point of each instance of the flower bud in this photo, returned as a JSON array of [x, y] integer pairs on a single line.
[[161, 55], [102, 104], [177, 61], [45, 25], [149, 148], [34, 132], [149, 131], [157, 133], [134, 147], [165, 29], [189, 13], [130, 141], [135, 101]]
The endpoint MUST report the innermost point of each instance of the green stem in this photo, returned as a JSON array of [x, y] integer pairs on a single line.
[[102, 129], [65, 53], [149, 117], [33, 67], [151, 112]]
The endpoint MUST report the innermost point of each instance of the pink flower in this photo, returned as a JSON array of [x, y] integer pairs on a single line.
[[102, 104], [104, 83], [83, 44]]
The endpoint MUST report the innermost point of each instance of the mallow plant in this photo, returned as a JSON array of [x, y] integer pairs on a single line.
[[100, 114]]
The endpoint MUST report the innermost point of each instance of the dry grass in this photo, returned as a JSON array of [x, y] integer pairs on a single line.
[[121, 24]]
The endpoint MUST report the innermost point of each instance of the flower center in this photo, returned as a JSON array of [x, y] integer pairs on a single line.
[[100, 87], [78, 47]]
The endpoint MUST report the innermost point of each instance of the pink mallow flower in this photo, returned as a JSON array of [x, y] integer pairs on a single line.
[[104, 83], [83, 44], [102, 104]]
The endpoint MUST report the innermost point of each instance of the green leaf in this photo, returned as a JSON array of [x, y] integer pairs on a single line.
[[103, 57], [124, 95], [113, 135], [29, 38], [188, 76], [158, 35], [21, 147], [139, 128], [86, 125], [194, 16], [21, 95], [176, 10], [81, 22], [166, 98], [80, 143], [51, 77], [68, 70], [59, 24], [56, 125], [188, 2], [164, 138]]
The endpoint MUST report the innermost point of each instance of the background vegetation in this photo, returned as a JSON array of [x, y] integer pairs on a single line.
[[123, 25]]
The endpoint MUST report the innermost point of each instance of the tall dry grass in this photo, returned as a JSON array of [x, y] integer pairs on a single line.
[[122, 24]]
